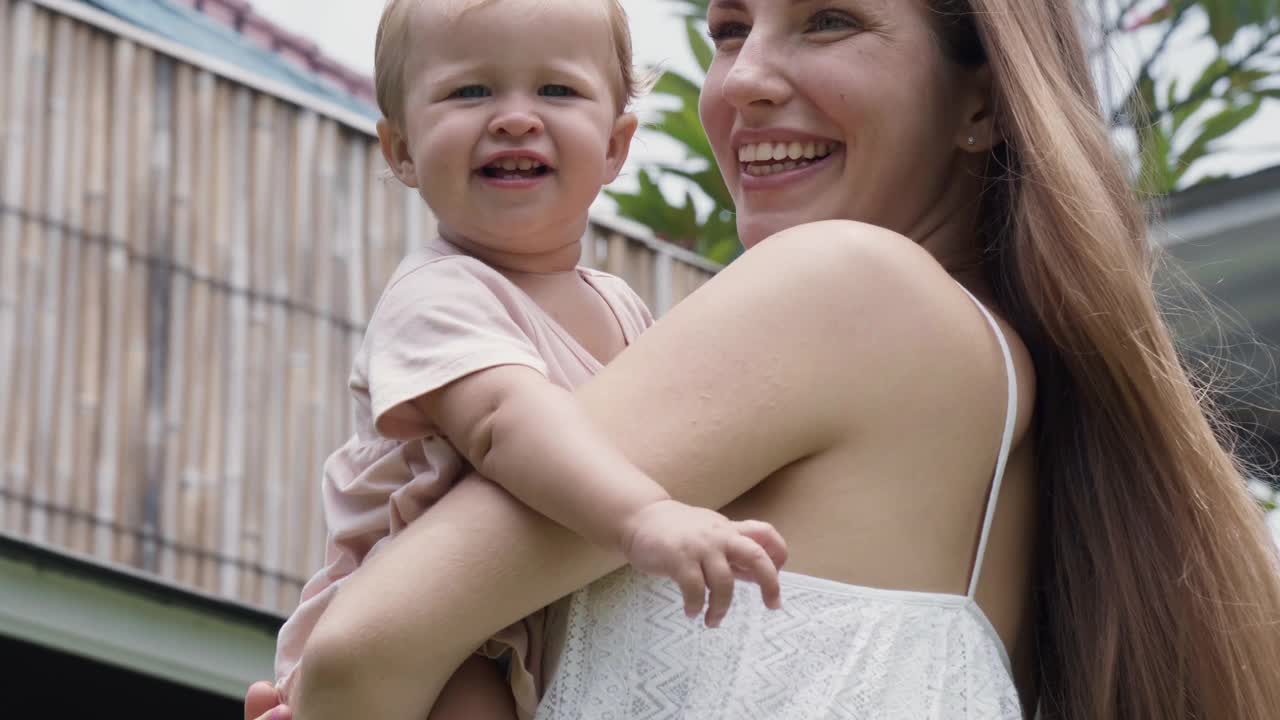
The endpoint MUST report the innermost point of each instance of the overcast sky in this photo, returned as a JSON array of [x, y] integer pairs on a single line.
[[346, 28]]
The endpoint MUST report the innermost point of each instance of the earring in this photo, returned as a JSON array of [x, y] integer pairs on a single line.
[[972, 141]]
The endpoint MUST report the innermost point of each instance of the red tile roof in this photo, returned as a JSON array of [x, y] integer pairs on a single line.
[[240, 16]]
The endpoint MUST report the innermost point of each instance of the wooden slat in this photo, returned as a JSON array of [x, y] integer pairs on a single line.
[[64, 422], [301, 276], [682, 281], [351, 304], [262, 197], [199, 410], [159, 298], [393, 249], [375, 231], [662, 272], [236, 418], [357, 311], [178, 392], [6, 10], [131, 492], [324, 382], [48, 361], [310, 379], [12, 193], [616, 260], [279, 474], [108, 466], [215, 458], [32, 251], [93, 306], [339, 187], [640, 268]]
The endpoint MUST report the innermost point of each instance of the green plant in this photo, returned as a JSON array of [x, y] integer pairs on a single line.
[[714, 234], [1178, 123]]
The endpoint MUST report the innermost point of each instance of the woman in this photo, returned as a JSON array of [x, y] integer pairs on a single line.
[[838, 382]]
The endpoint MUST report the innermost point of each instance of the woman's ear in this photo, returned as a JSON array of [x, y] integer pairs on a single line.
[[977, 130], [395, 150]]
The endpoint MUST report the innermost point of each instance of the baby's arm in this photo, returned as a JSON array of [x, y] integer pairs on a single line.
[[528, 435], [531, 437], [476, 691]]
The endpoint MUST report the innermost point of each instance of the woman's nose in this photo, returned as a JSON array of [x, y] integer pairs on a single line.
[[756, 77]]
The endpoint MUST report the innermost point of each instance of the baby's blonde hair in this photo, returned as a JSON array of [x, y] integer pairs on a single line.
[[393, 41]]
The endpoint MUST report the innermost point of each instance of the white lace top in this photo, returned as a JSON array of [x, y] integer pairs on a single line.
[[833, 651]]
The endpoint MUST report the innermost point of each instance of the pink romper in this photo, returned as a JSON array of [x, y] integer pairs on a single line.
[[444, 315]]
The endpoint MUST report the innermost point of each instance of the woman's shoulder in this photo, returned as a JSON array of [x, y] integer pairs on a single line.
[[851, 255], [860, 275], [882, 308]]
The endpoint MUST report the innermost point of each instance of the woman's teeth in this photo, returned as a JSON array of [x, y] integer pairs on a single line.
[[768, 158]]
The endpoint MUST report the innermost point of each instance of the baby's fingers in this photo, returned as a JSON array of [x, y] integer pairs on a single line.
[[767, 537], [694, 588], [260, 700], [719, 576], [279, 712], [752, 563]]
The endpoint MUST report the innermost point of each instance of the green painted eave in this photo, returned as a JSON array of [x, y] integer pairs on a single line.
[[122, 618]]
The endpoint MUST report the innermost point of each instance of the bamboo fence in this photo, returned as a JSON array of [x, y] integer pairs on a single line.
[[187, 257]]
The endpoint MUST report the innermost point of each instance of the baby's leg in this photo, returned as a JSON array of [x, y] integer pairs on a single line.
[[477, 691]]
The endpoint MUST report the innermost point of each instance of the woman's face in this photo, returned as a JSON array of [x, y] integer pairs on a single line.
[[838, 109]]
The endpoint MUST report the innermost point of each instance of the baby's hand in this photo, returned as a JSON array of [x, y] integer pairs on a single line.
[[703, 551]]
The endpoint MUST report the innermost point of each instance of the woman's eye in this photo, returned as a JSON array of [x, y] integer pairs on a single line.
[[471, 92], [832, 21], [556, 91], [722, 32]]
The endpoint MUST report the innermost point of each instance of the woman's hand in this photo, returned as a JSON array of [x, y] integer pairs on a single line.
[[263, 703]]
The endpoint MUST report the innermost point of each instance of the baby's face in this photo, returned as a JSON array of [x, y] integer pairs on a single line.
[[511, 119]]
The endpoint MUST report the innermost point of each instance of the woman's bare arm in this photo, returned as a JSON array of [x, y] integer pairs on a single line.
[[779, 358]]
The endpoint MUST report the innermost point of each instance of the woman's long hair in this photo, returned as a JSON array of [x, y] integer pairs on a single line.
[[1158, 588]]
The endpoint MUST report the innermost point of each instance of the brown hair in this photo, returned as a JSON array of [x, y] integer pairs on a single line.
[[391, 49], [1158, 587]]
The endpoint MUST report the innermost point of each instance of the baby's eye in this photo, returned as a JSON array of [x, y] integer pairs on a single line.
[[831, 21], [557, 91], [471, 92]]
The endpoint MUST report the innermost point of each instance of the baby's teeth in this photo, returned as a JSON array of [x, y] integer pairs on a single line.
[[525, 164], [508, 163]]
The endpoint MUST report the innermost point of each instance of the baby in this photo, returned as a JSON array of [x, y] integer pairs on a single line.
[[507, 116]]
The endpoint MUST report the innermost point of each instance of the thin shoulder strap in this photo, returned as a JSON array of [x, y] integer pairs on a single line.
[[1006, 443]]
